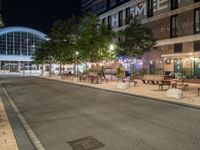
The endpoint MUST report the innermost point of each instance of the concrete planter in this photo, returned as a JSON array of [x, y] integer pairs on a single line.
[[175, 93], [121, 85]]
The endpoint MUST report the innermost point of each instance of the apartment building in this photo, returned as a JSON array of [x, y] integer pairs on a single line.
[[176, 26]]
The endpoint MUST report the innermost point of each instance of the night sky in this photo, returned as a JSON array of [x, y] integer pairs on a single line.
[[38, 14]]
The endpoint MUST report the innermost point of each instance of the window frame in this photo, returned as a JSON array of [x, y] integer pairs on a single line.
[[174, 6], [195, 24], [150, 8], [172, 29], [120, 18]]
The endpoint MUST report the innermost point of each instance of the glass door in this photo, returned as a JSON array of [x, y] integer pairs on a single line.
[[178, 66]]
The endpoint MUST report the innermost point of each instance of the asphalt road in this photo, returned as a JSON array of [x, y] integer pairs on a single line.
[[60, 112]]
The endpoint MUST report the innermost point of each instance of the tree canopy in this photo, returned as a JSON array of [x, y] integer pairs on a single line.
[[137, 39], [94, 40]]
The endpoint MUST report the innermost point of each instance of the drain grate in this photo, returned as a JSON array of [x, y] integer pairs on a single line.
[[86, 143]]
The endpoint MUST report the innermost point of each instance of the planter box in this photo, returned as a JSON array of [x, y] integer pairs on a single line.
[[175, 93], [121, 85]]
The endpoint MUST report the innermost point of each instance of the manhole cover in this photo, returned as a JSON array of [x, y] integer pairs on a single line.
[[87, 143]]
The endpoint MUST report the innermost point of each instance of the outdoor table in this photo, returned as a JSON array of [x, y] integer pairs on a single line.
[[162, 83]]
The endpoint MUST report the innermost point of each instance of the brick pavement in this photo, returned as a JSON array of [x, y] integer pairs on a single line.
[[7, 139]]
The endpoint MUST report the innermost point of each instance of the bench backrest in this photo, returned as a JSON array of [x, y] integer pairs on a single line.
[[153, 77]]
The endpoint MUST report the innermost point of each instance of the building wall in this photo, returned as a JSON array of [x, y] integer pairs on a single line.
[[160, 23]]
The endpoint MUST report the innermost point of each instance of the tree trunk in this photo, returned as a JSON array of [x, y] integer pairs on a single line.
[[50, 69], [60, 68]]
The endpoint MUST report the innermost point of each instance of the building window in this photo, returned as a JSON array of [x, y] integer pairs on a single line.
[[174, 4], [120, 18], [111, 3], [174, 26], [196, 46], [104, 21], [109, 22], [128, 15], [178, 47], [197, 20], [149, 8], [196, 0]]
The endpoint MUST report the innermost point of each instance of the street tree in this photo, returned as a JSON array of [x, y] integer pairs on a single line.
[[136, 40], [63, 37], [94, 40], [44, 55]]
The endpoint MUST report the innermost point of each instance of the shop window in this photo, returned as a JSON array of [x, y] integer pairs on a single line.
[[196, 46], [178, 47]]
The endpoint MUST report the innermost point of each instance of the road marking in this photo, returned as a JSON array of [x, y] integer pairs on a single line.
[[37, 144]]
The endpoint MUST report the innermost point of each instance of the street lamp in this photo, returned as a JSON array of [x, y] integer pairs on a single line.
[[77, 53], [111, 48]]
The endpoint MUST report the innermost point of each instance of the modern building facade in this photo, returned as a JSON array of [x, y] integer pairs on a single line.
[[17, 45], [176, 26], [100, 6]]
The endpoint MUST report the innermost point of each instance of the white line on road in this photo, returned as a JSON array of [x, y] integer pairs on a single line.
[[37, 144]]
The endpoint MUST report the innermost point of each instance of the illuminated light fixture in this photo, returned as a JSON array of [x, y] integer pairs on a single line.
[[77, 52], [111, 48]]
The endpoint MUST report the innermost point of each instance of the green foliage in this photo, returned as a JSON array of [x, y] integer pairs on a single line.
[[187, 72], [120, 72], [1, 20], [137, 39], [142, 72], [63, 36], [61, 45], [44, 55], [94, 39]]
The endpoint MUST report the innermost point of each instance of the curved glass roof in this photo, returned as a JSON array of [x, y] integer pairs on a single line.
[[22, 29]]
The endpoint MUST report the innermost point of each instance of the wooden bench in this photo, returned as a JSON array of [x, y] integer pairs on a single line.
[[152, 78]]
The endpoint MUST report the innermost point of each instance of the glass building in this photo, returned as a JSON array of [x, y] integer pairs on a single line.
[[99, 6], [17, 45]]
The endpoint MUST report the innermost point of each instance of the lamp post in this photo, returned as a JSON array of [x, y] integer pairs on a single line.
[[76, 61], [111, 49]]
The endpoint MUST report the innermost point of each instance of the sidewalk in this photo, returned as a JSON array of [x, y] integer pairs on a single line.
[[190, 97], [7, 139]]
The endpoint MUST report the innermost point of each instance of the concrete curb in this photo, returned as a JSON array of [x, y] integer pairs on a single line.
[[125, 93], [7, 138], [36, 143]]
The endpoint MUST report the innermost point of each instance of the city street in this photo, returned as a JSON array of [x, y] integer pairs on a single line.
[[59, 113]]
